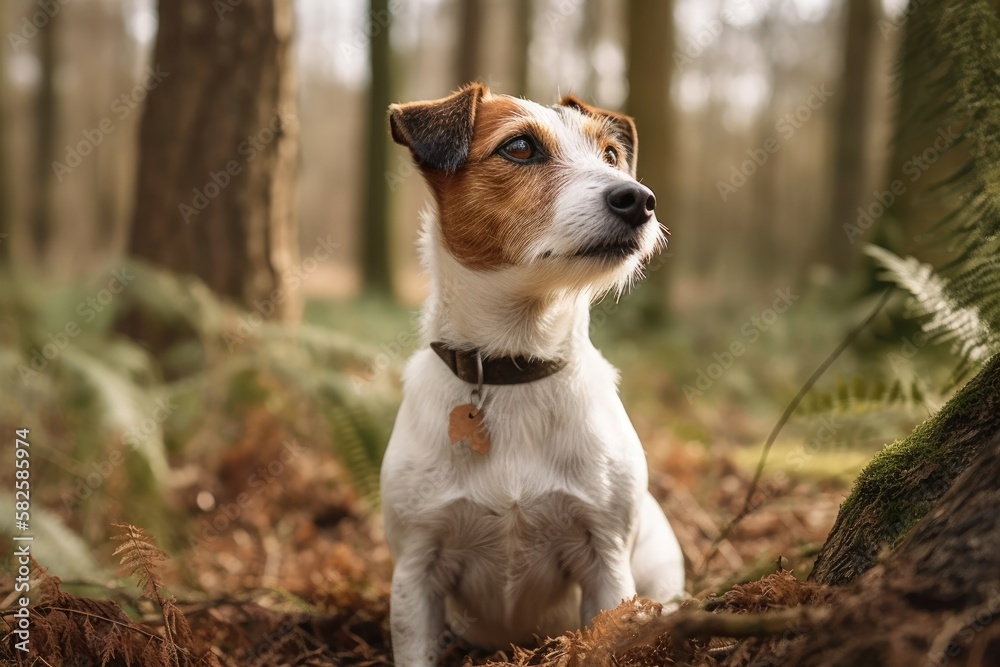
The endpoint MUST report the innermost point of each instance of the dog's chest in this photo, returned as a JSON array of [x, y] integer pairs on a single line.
[[523, 535], [558, 485]]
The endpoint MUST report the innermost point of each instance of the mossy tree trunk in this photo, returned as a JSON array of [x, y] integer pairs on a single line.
[[934, 601], [906, 480]]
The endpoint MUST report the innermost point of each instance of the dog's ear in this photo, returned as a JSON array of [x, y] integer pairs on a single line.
[[438, 132], [623, 125]]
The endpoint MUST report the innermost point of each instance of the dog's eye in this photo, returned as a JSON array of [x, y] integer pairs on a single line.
[[611, 156], [519, 149]]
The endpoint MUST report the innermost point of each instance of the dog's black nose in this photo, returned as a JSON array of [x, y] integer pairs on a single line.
[[632, 202]]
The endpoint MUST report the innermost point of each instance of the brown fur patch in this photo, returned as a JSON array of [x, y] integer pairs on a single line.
[[491, 209]]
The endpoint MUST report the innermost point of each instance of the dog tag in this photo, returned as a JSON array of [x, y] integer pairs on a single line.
[[466, 423]]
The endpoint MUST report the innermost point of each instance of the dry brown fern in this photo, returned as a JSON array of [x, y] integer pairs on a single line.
[[139, 557], [70, 630]]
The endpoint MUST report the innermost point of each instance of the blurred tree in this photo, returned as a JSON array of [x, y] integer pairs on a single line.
[[651, 43], [471, 33], [218, 147], [46, 134], [110, 163], [5, 208], [763, 234], [524, 14], [589, 31], [850, 133], [376, 250]]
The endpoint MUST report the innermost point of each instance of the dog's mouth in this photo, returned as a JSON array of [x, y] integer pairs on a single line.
[[610, 250]]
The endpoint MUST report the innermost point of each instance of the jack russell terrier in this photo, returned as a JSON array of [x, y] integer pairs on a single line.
[[514, 487]]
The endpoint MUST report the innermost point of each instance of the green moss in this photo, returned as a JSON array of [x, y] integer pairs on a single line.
[[934, 448]]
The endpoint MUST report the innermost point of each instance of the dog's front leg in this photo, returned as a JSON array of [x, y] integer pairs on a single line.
[[416, 613], [607, 583]]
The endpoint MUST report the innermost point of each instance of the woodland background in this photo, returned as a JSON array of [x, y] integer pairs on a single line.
[[209, 285]]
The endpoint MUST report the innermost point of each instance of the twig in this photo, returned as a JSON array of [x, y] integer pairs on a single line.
[[132, 627], [832, 357], [787, 414], [740, 626]]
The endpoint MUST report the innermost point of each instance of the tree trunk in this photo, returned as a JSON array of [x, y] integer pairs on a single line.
[[590, 31], [376, 249], [218, 147], [650, 70], [904, 481], [524, 16], [46, 135], [5, 208], [850, 137], [469, 57]]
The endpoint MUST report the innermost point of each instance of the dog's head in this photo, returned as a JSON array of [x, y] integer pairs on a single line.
[[549, 190]]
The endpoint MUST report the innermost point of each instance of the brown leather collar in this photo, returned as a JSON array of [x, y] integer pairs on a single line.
[[500, 370]]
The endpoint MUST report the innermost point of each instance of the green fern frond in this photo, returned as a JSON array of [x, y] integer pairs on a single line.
[[358, 435], [173, 298], [126, 408], [945, 320], [864, 394], [952, 60]]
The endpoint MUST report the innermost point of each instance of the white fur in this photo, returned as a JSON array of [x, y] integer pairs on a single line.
[[556, 523]]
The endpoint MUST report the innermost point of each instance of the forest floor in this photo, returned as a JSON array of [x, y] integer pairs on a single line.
[[299, 574], [277, 560]]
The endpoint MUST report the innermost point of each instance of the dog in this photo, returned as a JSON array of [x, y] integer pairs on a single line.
[[514, 487]]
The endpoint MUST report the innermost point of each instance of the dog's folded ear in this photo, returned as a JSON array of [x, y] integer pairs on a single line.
[[438, 132], [624, 127]]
